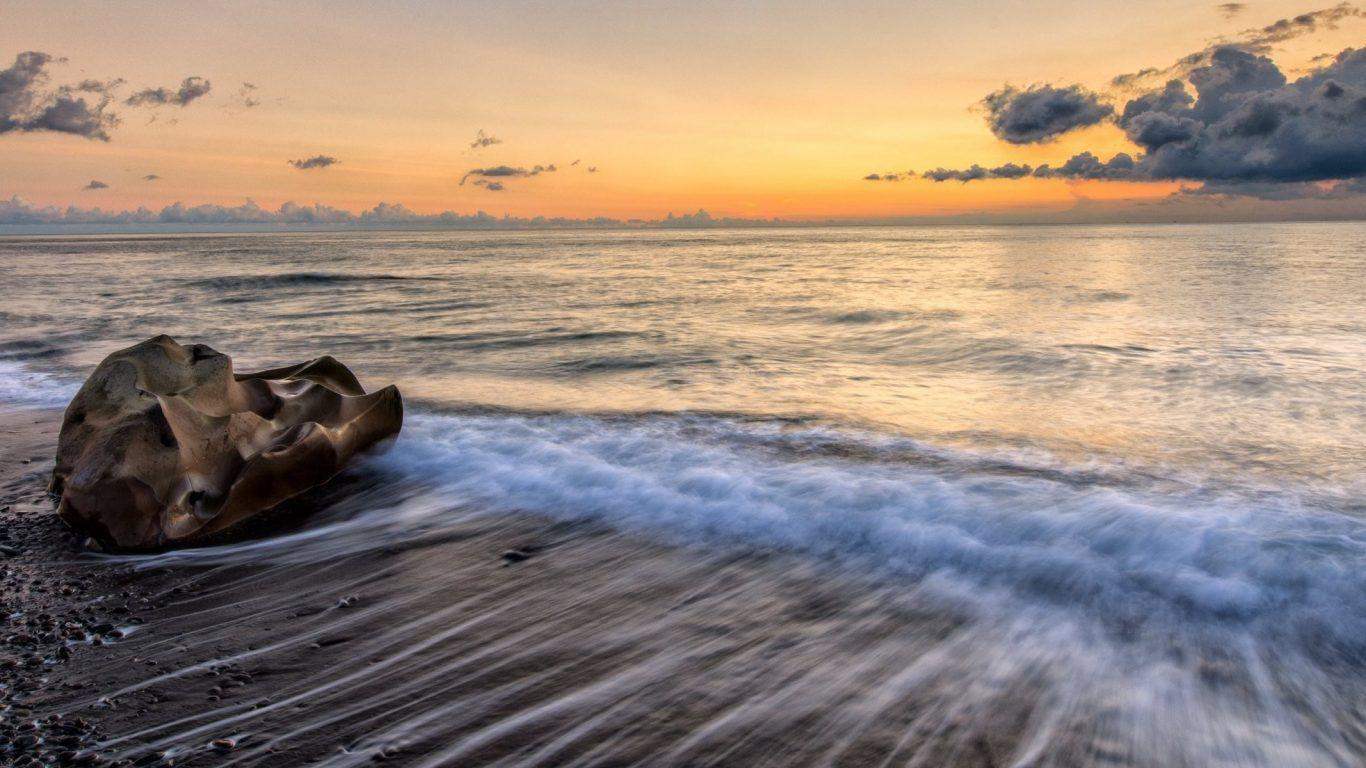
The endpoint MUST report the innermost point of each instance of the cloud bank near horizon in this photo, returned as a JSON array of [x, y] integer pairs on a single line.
[[18, 211], [1206, 204]]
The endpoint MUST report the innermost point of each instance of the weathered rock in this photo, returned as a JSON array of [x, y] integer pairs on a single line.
[[164, 445]]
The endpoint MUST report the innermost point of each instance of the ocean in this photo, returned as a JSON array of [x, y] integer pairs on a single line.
[[1121, 467]]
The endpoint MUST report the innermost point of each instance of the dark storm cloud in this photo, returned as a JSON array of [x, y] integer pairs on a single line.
[[94, 184], [1042, 112], [191, 88], [977, 173], [482, 140], [317, 161], [26, 104], [507, 171], [1247, 123]]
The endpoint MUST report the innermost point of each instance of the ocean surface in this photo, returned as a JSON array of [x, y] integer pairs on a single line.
[[1135, 456]]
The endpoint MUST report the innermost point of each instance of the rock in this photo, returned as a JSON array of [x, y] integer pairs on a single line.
[[165, 446]]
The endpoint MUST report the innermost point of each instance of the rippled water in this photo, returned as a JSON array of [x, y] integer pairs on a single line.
[[1124, 456]]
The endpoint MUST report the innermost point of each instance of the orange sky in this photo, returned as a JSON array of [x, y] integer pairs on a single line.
[[755, 109]]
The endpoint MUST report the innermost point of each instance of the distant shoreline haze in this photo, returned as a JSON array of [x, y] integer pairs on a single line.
[[18, 217]]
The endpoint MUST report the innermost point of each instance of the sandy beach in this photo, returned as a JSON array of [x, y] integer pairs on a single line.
[[542, 642]]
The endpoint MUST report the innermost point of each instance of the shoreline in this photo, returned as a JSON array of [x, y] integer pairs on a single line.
[[485, 638], [58, 605], [446, 651]]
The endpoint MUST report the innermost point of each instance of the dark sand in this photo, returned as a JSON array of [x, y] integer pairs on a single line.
[[588, 648]]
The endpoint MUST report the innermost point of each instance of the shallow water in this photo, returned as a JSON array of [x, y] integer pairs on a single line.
[[1126, 456]]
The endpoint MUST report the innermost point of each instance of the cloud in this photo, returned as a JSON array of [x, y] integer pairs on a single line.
[[151, 177], [507, 172], [26, 105], [492, 186], [1086, 165], [977, 173], [965, 175], [1261, 39], [1247, 123], [244, 97], [1283, 191], [1341, 200], [894, 176], [191, 88], [1232, 9], [1233, 122], [95, 184], [1042, 112], [1255, 40], [317, 161], [17, 211], [482, 140]]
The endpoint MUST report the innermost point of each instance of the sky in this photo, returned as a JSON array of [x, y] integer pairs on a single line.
[[862, 110]]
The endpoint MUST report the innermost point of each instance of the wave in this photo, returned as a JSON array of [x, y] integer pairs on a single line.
[[1068, 591], [294, 279], [1097, 543], [1120, 545], [1103, 588], [1124, 554], [618, 363], [26, 388], [496, 340]]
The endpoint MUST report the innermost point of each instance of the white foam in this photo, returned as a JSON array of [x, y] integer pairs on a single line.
[[26, 388], [1113, 549]]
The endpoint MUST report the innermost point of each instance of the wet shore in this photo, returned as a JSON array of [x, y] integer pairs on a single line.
[[516, 640], [502, 640]]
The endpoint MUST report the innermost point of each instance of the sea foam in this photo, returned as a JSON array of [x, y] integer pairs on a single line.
[[1121, 551]]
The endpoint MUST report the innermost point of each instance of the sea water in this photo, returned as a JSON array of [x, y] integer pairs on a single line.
[[1121, 448]]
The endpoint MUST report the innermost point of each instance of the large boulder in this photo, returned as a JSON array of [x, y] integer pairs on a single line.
[[164, 445]]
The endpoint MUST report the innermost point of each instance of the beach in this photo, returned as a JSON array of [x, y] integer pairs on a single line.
[[517, 659], [984, 496]]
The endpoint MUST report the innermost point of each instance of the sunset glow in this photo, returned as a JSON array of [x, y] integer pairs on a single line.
[[758, 110]]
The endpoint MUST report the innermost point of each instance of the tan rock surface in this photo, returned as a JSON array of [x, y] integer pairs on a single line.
[[164, 445]]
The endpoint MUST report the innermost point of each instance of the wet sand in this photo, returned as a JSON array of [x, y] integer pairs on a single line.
[[514, 640], [505, 641]]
